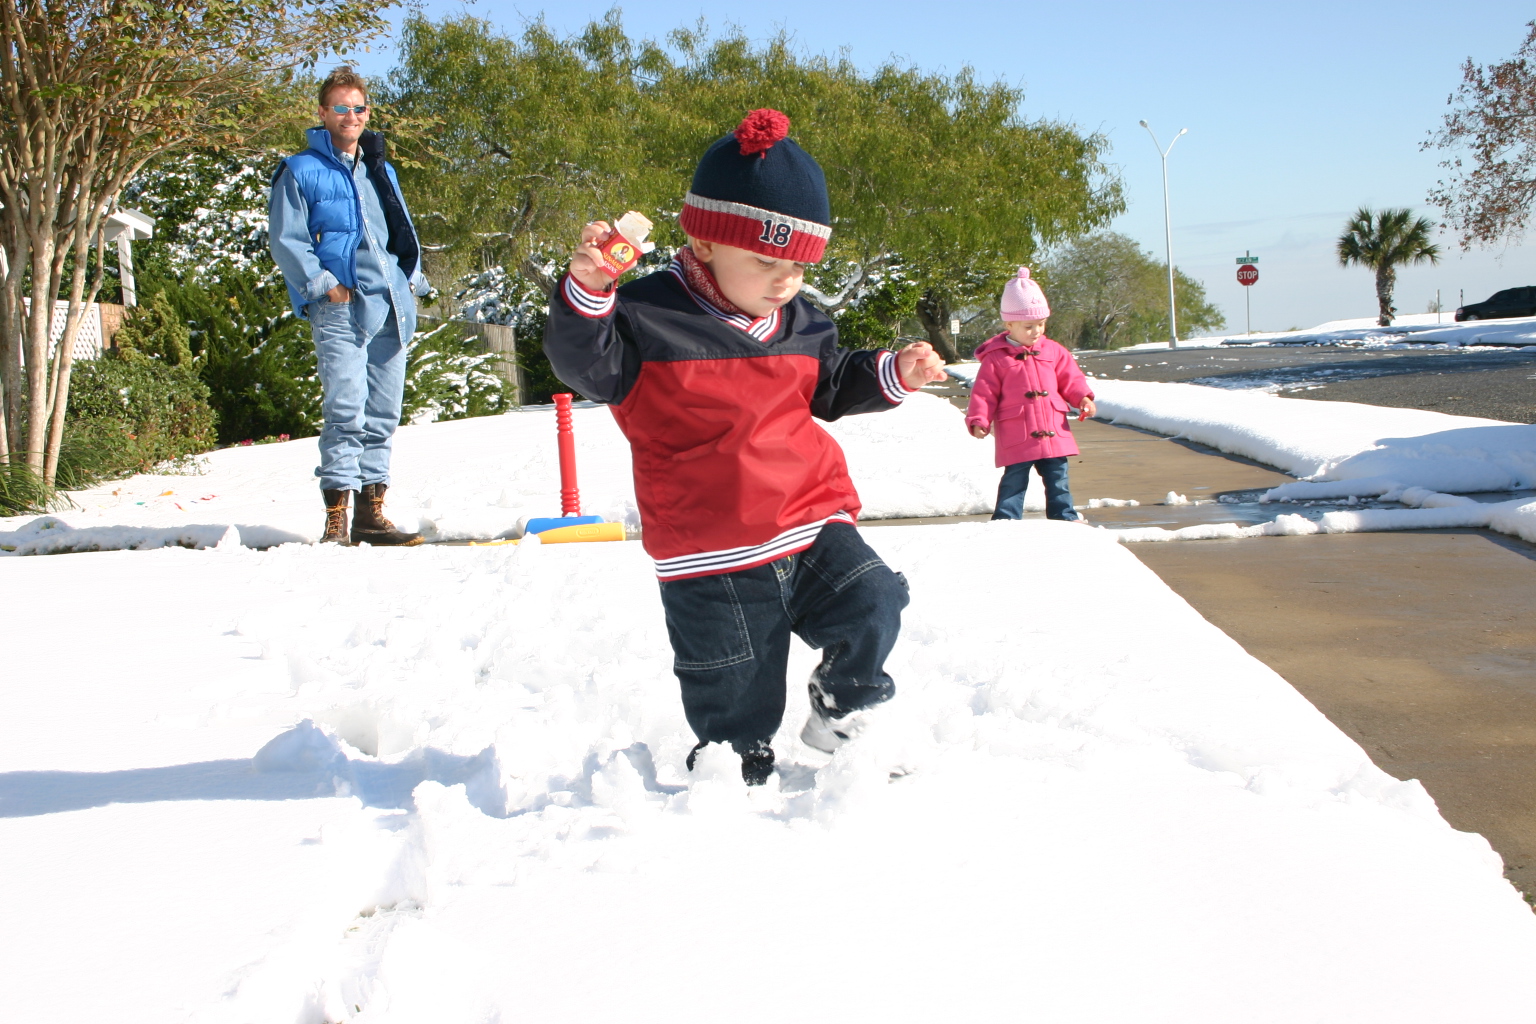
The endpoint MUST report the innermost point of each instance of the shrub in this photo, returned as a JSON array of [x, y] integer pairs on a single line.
[[256, 357], [449, 376], [156, 330], [875, 322], [129, 412]]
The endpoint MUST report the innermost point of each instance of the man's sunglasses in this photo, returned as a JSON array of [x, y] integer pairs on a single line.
[[342, 108]]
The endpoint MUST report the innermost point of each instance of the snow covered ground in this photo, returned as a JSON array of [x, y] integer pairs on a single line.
[[1415, 329], [1343, 449], [480, 479], [445, 784]]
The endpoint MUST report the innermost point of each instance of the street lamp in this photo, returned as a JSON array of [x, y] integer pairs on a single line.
[[1173, 318]]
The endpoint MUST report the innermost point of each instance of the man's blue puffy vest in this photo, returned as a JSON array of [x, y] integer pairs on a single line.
[[335, 211]]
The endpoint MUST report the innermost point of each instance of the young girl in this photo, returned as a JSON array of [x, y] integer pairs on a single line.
[[1025, 386]]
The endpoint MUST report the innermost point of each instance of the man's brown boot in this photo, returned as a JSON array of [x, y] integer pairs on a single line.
[[369, 525], [335, 517]]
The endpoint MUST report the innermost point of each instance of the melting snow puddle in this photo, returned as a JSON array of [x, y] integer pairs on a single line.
[[1244, 508]]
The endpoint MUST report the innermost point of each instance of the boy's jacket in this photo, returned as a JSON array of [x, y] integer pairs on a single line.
[[730, 470]]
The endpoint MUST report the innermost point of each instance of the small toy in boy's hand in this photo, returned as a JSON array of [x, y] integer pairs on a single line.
[[1086, 409], [624, 247]]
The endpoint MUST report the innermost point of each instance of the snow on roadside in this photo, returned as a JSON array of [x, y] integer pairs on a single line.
[[480, 479], [1341, 449], [446, 785], [1412, 330], [1332, 441]]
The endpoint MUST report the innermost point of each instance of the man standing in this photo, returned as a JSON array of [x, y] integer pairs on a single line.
[[342, 236]]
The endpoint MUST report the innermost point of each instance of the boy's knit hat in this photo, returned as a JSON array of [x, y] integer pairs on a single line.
[[1023, 299], [755, 189]]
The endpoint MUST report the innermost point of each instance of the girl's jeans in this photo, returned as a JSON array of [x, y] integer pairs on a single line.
[[1053, 473], [730, 635], [363, 386]]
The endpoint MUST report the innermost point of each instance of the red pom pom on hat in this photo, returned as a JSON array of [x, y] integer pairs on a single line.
[[760, 129]]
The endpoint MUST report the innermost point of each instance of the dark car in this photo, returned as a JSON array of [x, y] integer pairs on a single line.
[[1509, 302]]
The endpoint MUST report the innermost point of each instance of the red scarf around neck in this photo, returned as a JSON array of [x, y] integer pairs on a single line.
[[703, 283]]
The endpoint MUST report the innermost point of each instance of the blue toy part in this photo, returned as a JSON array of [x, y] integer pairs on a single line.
[[550, 523]]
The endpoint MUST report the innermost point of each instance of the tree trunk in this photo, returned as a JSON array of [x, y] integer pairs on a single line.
[[1386, 278], [933, 311], [10, 351], [39, 321], [545, 282]]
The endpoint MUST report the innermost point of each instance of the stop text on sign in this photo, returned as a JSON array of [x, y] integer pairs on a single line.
[[1247, 275]]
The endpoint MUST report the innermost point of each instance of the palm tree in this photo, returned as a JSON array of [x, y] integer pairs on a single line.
[[1385, 241]]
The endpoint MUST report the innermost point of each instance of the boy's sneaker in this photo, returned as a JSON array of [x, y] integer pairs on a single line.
[[756, 761], [825, 733]]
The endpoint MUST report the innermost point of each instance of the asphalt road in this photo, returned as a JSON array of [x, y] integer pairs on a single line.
[[1498, 384]]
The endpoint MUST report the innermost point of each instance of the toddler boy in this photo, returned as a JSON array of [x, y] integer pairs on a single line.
[[714, 370]]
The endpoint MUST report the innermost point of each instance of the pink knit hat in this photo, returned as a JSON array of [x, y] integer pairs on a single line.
[[1023, 299]]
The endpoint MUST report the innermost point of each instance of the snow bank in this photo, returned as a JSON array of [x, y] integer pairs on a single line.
[[1343, 450], [1433, 511], [1414, 329], [1332, 440], [481, 479], [1342, 447], [446, 785]]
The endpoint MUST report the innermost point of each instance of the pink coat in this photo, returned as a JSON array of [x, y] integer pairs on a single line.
[[1024, 398]]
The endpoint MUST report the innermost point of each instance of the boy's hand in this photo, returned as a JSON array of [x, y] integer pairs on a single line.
[[919, 364], [1086, 409], [978, 431], [587, 262]]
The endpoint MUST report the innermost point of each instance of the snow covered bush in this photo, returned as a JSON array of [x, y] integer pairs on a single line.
[[210, 211], [449, 376], [497, 296]]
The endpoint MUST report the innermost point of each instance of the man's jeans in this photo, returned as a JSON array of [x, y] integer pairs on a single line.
[[1053, 473], [730, 635], [364, 383]]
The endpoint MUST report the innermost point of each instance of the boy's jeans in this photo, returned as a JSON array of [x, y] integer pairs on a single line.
[[1053, 473], [364, 384], [730, 635]]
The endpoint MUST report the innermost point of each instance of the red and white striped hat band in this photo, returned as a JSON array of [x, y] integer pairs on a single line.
[[760, 231]]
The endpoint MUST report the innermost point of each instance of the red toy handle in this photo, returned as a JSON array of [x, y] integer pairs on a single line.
[[570, 496]]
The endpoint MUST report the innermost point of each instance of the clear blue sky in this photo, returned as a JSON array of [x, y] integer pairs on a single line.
[[1297, 114]]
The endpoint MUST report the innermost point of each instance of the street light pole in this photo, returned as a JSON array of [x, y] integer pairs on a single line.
[[1173, 317]]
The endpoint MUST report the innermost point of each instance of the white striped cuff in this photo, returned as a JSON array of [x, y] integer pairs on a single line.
[[709, 562], [891, 384], [595, 305]]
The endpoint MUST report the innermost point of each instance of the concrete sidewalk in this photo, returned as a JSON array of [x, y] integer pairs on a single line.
[[1421, 646]]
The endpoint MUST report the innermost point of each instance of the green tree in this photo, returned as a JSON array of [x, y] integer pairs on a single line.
[[1383, 242], [938, 175], [1107, 292]]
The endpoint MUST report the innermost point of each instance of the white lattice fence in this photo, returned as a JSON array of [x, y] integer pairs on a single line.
[[87, 341]]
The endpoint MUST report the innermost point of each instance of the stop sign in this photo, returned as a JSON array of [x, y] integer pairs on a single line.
[[1247, 274]]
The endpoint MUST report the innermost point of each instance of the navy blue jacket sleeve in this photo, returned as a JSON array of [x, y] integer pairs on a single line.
[[854, 380], [590, 343]]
